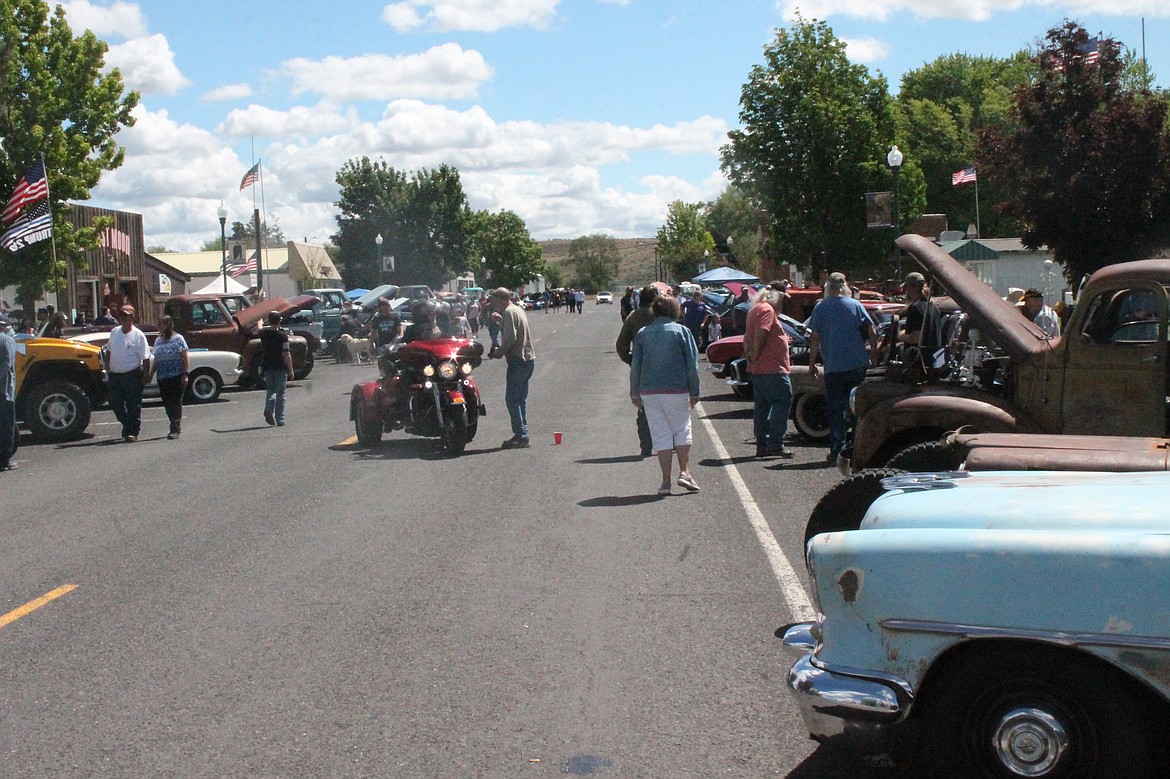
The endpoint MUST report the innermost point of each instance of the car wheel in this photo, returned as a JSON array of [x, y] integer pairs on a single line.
[[57, 411], [203, 386], [743, 391], [844, 505], [927, 457], [1026, 711], [369, 431], [810, 414]]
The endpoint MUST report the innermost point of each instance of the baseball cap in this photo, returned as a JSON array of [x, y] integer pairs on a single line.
[[128, 309]]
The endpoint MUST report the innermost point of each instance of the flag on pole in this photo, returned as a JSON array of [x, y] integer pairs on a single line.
[[33, 187], [34, 226], [251, 177], [240, 268], [1090, 51], [964, 176]]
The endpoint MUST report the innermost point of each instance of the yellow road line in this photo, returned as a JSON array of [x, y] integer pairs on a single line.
[[33, 605]]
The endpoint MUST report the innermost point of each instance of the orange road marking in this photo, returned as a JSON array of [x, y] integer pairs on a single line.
[[33, 605]]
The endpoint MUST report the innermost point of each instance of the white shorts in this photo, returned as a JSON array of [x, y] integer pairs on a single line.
[[670, 420]]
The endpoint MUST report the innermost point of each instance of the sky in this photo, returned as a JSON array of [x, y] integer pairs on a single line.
[[581, 116]]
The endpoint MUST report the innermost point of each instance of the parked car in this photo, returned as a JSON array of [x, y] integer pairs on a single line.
[[604, 296], [533, 301], [995, 624], [298, 317], [208, 371], [58, 384]]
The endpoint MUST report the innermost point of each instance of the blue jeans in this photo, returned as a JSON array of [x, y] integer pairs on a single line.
[[837, 388], [773, 394], [125, 396], [274, 384], [516, 393]]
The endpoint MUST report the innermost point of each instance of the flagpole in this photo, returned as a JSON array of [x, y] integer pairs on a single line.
[[260, 260], [978, 225], [52, 233]]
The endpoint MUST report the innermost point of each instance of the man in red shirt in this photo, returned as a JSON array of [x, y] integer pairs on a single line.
[[765, 344]]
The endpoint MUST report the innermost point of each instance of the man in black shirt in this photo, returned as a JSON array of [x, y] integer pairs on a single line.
[[276, 363], [385, 325], [922, 321]]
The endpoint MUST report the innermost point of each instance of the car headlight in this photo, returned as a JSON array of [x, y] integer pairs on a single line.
[[465, 368], [853, 401], [428, 370], [448, 370]]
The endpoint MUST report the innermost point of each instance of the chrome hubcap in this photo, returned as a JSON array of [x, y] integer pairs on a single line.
[[57, 411], [1030, 742]]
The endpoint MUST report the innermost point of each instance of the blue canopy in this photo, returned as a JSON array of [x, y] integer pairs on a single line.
[[722, 274], [356, 293]]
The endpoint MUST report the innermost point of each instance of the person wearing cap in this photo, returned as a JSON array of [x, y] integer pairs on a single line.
[[276, 363], [7, 396], [384, 326], [922, 321], [1041, 315], [841, 329], [516, 348], [129, 363]]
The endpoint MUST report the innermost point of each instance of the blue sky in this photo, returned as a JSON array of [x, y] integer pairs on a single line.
[[582, 116]]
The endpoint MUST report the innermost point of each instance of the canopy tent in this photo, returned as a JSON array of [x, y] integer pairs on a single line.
[[356, 293], [216, 285], [724, 274]]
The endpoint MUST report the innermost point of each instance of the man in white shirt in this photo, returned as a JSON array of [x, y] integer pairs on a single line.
[[129, 362], [1043, 316]]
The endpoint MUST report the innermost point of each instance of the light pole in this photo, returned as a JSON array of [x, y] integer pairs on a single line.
[[221, 212], [381, 270], [730, 254], [894, 158], [1049, 280]]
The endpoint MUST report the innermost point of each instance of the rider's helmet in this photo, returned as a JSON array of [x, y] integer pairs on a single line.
[[423, 310]]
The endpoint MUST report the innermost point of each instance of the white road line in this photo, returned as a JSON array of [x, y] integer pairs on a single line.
[[790, 584]]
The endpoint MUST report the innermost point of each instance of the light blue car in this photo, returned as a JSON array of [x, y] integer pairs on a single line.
[[999, 624]]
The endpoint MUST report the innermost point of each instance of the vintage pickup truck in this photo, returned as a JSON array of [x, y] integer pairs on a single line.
[[1106, 375], [205, 322], [1006, 624]]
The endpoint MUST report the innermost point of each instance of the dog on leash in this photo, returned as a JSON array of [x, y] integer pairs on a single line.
[[359, 350]]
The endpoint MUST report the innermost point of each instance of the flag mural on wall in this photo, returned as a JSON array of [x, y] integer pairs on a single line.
[[32, 188], [251, 177], [34, 226]]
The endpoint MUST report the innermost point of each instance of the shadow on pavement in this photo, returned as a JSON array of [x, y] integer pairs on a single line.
[[625, 458], [613, 501]]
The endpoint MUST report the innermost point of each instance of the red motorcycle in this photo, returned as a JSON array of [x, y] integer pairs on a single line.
[[427, 389]]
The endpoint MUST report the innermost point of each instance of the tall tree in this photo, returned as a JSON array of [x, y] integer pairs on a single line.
[[595, 260], [502, 246], [816, 129], [684, 241], [733, 221], [55, 100], [1088, 166]]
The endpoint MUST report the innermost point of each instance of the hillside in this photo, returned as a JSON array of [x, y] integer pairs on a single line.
[[637, 254]]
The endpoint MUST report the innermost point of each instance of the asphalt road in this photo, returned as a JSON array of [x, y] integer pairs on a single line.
[[257, 601]]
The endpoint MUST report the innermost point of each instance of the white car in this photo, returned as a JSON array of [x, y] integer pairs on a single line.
[[208, 371], [605, 297]]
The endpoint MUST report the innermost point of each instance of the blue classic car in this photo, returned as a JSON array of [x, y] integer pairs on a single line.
[[996, 624]]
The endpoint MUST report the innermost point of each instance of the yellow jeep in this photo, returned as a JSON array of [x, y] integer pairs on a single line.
[[58, 383]]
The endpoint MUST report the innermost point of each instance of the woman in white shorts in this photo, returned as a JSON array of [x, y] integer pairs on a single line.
[[664, 380]]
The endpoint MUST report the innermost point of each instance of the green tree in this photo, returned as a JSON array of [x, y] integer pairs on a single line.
[[733, 221], [816, 129], [1088, 167], [509, 256], [595, 260], [55, 100], [684, 241], [423, 221], [554, 277]]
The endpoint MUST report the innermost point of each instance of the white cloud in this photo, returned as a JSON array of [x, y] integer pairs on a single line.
[[148, 65], [442, 72], [468, 15], [297, 122], [120, 19], [866, 50], [227, 92], [975, 10]]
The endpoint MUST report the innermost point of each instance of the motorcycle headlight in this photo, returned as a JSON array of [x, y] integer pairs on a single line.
[[465, 368], [428, 370], [853, 401], [448, 370]]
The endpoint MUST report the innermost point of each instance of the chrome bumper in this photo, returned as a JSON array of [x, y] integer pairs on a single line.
[[715, 367], [852, 711]]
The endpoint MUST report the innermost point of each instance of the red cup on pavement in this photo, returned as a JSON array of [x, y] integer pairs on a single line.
[[556, 438]]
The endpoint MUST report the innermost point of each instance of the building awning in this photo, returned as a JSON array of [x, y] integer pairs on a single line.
[[969, 250]]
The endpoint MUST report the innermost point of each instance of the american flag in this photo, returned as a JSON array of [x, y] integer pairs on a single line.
[[964, 176], [1090, 51], [33, 187], [34, 226], [240, 268], [251, 177]]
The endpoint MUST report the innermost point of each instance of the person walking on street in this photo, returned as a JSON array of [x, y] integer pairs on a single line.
[[664, 380], [694, 315], [579, 297], [516, 348], [276, 363], [170, 368], [7, 396], [765, 344], [128, 365], [840, 331], [473, 316], [638, 318]]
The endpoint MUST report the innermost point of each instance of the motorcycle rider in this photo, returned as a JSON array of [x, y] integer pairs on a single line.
[[425, 325]]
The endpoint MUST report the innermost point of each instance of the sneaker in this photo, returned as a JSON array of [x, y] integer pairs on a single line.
[[172, 436], [688, 483], [783, 451], [515, 442], [664, 489], [269, 418], [280, 423], [131, 439]]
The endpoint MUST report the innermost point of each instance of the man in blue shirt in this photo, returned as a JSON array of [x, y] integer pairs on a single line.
[[7, 396], [841, 329], [694, 314]]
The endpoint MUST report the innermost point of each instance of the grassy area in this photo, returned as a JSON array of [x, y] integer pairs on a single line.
[[637, 255]]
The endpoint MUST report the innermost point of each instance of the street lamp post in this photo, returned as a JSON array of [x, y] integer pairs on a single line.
[[221, 212], [730, 254], [894, 158], [381, 270]]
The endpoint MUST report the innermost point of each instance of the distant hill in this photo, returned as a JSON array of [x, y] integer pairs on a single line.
[[637, 268]]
